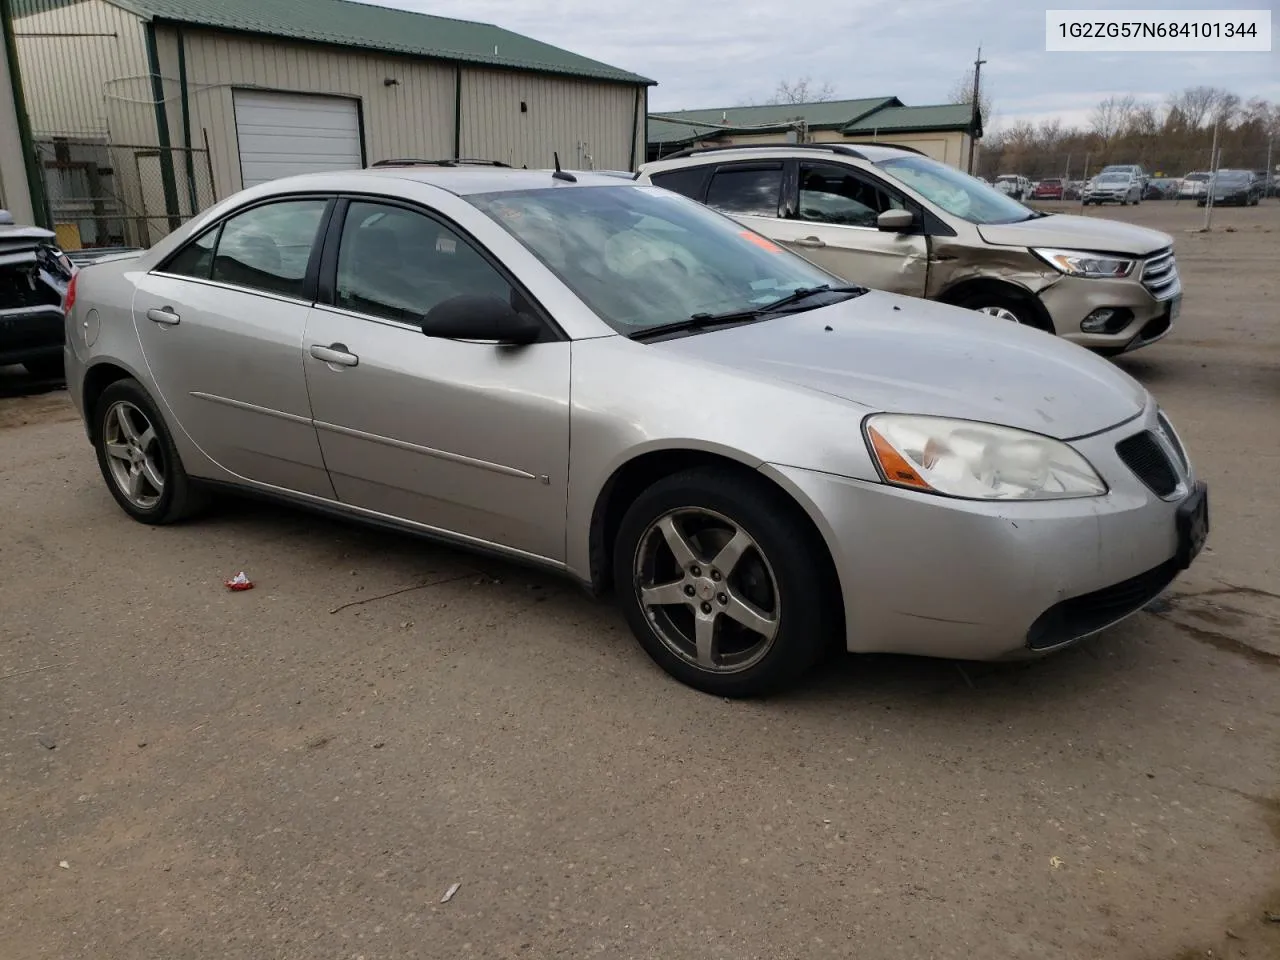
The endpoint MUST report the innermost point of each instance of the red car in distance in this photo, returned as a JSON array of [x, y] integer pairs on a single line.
[[1047, 190]]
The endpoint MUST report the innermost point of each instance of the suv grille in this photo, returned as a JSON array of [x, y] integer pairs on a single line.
[[1160, 274], [1143, 455]]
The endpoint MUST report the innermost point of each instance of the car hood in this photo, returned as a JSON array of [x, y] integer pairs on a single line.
[[1076, 233], [904, 355]]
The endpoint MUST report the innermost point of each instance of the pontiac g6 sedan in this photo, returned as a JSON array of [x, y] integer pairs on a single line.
[[613, 381]]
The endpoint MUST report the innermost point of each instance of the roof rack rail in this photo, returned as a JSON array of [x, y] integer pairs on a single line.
[[448, 162], [846, 149]]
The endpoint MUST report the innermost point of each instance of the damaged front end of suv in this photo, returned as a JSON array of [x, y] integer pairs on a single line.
[[34, 275]]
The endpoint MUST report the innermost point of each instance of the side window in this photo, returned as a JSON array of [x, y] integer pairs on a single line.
[[398, 264], [267, 248], [687, 181], [749, 191], [196, 258], [837, 194]]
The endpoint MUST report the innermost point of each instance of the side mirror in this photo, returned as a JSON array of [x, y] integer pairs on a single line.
[[896, 221], [472, 317]]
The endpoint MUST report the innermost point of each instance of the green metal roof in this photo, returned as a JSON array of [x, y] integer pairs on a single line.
[[363, 25], [828, 114], [899, 119]]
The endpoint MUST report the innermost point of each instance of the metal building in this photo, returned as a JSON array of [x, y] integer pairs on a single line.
[[148, 110]]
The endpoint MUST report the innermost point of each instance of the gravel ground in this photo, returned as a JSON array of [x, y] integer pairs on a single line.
[[303, 770]]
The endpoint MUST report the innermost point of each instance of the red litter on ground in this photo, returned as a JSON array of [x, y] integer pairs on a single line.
[[239, 582]]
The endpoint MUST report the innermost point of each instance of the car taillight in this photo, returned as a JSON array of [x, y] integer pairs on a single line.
[[69, 298]]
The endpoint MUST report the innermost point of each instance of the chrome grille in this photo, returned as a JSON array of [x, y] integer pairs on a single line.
[[1160, 275]]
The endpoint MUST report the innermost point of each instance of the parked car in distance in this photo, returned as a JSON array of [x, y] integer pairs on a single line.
[[1239, 188], [1014, 185], [1134, 169], [1121, 188], [33, 281], [1051, 189], [1193, 185], [520, 309], [1161, 188], [897, 220]]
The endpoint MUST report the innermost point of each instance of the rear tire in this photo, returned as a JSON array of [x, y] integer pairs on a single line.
[[723, 583], [138, 459]]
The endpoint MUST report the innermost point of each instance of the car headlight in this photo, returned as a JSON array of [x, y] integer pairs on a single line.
[[1081, 263], [977, 461]]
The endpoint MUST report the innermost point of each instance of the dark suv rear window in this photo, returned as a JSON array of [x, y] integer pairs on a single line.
[[690, 181]]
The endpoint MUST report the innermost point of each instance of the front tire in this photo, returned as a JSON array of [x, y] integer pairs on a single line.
[[138, 459], [723, 583], [1005, 305]]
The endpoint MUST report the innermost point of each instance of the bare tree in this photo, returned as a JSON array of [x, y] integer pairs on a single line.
[[1225, 108], [1142, 121], [962, 92], [1198, 104], [803, 90], [1111, 117]]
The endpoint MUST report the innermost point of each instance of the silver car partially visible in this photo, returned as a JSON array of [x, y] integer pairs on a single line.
[[609, 380]]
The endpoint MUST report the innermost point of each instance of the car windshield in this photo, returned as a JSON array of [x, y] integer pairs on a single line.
[[1231, 176], [642, 256], [957, 193], [1113, 178]]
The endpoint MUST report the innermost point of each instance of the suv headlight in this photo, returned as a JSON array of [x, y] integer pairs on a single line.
[[1082, 263], [977, 461]]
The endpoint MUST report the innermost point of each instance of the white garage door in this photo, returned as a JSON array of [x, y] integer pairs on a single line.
[[282, 134]]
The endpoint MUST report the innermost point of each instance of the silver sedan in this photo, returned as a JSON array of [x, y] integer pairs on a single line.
[[612, 381]]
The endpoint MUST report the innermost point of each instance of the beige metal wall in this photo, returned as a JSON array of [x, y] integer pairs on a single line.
[[588, 123], [412, 118], [75, 86]]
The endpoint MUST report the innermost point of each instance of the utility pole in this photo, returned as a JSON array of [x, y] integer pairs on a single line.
[[1268, 183], [975, 116], [1213, 176]]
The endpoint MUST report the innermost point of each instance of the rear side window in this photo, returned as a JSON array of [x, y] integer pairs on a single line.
[[747, 191], [196, 258], [688, 182], [267, 248]]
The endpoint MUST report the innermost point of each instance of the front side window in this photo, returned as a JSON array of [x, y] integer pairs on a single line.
[[746, 191], [830, 193], [398, 264], [267, 248], [957, 193], [641, 256]]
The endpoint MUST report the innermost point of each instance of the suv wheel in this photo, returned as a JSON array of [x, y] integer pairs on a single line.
[[1005, 305]]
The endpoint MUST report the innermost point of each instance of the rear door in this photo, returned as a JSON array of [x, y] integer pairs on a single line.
[[221, 325], [833, 223]]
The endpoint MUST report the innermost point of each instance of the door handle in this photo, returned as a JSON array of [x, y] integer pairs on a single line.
[[164, 315], [810, 242], [335, 353]]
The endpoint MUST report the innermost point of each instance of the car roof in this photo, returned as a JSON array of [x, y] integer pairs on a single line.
[[871, 152], [461, 181]]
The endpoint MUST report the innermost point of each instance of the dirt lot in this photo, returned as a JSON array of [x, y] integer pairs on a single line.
[[304, 769]]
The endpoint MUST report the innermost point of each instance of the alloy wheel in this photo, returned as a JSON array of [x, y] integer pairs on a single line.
[[134, 454], [707, 590], [1000, 313]]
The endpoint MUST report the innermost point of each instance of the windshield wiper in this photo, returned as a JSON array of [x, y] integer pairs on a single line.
[[704, 321]]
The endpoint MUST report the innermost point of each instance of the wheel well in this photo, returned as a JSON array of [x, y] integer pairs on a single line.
[[635, 476], [96, 380], [966, 290]]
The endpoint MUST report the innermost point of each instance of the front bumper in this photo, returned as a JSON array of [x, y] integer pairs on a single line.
[[937, 576], [1072, 299]]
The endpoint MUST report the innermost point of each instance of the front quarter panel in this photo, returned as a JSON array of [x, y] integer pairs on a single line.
[[630, 399]]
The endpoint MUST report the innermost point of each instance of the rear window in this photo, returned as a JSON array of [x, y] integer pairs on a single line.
[[746, 191], [688, 182]]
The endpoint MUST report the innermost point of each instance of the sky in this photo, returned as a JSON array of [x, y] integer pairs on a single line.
[[722, 53]]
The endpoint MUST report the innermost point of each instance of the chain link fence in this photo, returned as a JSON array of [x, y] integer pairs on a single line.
[[103, 194]]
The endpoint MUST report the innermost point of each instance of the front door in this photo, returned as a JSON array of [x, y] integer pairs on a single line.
[[834, 225], [465, 437], [221, 325]]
